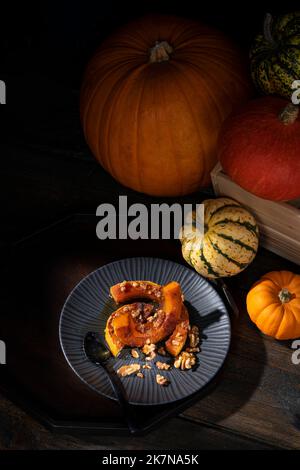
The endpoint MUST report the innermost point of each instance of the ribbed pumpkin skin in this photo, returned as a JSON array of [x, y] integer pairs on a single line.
[[260, 153], [275, 65], [154, 126], [230, 240], [272, 317]]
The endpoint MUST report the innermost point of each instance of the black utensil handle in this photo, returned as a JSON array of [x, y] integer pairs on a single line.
[[225, 293], [229, 297], [120, 395]]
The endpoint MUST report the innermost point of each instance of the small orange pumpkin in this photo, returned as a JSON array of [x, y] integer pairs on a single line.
[[273, 304]]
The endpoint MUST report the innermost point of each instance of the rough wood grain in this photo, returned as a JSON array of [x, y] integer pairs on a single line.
[[256, 403], [259, 395], [19, 431]]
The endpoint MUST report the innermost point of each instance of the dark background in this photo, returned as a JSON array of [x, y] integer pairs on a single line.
[[44, 47], [56, 38], [47, 172]]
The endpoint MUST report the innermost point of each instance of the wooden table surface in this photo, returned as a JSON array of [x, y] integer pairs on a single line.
[[256, 404]]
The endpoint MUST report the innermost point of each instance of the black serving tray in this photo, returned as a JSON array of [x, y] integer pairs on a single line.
[[40, 270]]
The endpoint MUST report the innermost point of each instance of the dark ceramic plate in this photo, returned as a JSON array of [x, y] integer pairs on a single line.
[[89, 305]]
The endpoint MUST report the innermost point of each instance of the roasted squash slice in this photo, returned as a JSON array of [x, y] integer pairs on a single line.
[[112, 340], [177, 340], [124, 292], [136, 323], [129, 290]]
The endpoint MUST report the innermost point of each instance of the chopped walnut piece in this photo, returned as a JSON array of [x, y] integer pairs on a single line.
[[177, 362], [161, 380], [135, 313], [162, 351], [135, 354], [185, 360], [123, 286], [151, 356], [140, 375], [194, 336], [147, 310], [148, 348], [162, 365], [128, 369], [192, 350], [146, 366]]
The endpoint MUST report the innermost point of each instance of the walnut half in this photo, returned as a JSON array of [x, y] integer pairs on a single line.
[[185, 360], [194, 336]]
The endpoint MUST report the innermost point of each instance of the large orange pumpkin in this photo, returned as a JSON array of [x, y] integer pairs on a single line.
[[153, 99], [273, 304]]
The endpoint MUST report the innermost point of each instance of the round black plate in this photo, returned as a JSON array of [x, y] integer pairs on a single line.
[[89, 305]]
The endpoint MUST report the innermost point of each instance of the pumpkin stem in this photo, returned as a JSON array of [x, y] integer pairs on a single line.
[[268, 21], [160, 52], [284, 295], [289, 114]]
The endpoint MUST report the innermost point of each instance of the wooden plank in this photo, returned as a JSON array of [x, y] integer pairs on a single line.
[[257, 398], [280, 243], [19, 431], [279, 222], [273, 213], [259, 393]]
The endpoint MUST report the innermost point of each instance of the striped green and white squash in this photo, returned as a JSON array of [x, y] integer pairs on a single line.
[[275, 55], [229, 242]]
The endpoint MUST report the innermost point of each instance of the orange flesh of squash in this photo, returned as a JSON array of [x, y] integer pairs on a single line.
[[133, 333], [129, 290], [179, 335], [112, 340]]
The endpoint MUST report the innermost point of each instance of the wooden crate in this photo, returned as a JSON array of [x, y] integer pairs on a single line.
[[279, 222]]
